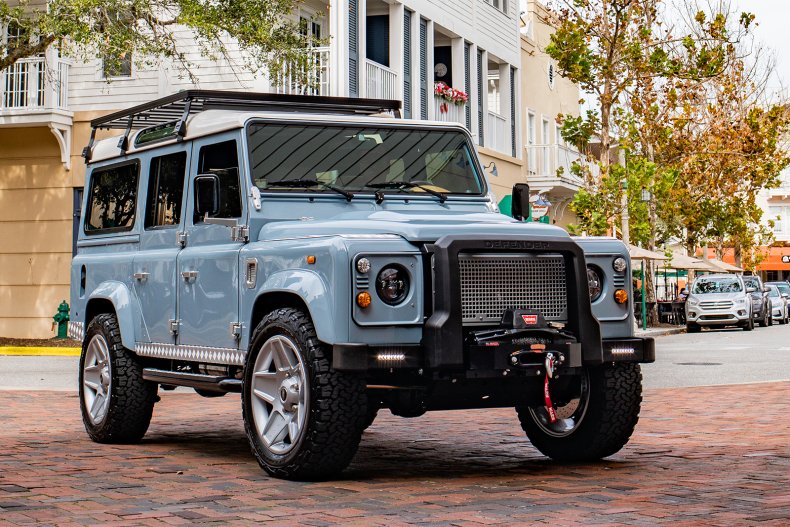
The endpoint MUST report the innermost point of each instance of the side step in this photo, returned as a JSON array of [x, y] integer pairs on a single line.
[[213, 383]]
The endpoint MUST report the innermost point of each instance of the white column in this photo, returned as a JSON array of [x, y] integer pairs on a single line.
[[429, 64], [457, 53], [505, 102], [396, 46], [363, 47], [338, 48]]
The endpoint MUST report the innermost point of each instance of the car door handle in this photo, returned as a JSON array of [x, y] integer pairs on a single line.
[[141, 276], [189, 276]]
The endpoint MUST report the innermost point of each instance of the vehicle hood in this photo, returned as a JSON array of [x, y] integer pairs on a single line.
[[716, 297], [423, 226]]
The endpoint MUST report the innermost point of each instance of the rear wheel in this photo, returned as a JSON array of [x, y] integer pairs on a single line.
[[597, 420], [303, 420], [116, 403]]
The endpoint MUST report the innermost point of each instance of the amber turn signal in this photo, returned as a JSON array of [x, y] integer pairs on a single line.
[[363, 299], [311, 259], [621, 296]]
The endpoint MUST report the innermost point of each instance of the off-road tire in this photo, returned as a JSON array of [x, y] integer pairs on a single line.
[[691, 327], [370, 416], [131, 398], [615, 396], [336, 411]]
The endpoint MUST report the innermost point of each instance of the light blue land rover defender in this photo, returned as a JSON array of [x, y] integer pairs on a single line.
[[327, 259]]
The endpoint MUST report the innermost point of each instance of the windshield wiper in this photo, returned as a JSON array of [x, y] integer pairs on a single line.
[[400, 185], [307, 183]]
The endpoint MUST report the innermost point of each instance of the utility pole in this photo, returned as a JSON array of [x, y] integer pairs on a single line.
[[624, 200]]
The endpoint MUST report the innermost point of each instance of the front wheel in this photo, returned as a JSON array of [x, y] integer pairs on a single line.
[[116, 402], [303, 420], [691, 327], [749, 325], [766, 321], [595, 422]]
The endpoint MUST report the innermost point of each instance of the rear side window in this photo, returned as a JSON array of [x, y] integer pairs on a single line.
[[165, 190], [222, 159], [112, 201]]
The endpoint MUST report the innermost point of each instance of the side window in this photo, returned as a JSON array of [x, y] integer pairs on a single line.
[[113, 199], [165, 190], [222, 159]]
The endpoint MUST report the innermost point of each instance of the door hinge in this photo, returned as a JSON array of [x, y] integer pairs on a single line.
[[174, 325], [235, 330], [240, 233], [181, 239]]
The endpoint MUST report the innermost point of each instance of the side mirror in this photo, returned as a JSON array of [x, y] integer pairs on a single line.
[[520, 201], [766, 290], [684, 291], [750, 290], [206, 195], [785, 295]]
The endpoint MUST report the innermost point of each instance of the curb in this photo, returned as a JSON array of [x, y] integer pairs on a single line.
[[660, 332], [37, 351]]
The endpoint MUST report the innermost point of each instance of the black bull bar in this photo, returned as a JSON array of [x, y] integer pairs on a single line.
[[443, 333]]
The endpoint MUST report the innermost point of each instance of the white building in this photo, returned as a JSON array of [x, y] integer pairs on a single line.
[[375, 48]]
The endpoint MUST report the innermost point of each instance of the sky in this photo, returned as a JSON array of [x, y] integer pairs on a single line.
[[772, 17]]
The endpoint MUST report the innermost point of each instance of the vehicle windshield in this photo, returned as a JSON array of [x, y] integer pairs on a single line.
[[717, 285], [751, 282], [773, 291], [783, 288], [361, 159]]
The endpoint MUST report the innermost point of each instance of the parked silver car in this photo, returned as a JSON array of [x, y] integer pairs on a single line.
[[718, 301], [778, 304]]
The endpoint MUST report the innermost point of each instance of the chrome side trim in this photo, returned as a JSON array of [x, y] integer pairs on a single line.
[[230, 356], [76, 330]]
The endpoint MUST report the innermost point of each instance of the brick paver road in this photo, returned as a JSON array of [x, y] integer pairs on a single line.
[[700, 456]]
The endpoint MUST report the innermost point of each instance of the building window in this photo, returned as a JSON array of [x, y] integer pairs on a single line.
[[499, 4], [165, 190], [117, 66], [532, 164], [113, 199]]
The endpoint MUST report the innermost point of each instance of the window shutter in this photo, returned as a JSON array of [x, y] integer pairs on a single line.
[[513, 109], [467, 86], [353, 48], [423, 69], [407, 64], [480, 86]]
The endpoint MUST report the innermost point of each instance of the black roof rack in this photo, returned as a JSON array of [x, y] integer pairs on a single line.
[[179, 106]]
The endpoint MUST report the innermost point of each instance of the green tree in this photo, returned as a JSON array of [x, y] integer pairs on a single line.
[[146, 29]]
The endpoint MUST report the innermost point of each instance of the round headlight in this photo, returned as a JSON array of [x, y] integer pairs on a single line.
[[619, 264], [392, 284], [595, 284]]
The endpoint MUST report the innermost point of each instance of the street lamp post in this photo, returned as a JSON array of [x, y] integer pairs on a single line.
[[646, 199]]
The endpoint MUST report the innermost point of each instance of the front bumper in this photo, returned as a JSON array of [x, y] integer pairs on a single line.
[[718, 317]]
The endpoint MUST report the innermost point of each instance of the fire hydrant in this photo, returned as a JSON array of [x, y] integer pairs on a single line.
[[61, 318]]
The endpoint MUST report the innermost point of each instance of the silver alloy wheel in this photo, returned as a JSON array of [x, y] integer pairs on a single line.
[[279, 394], [569, 415], [97, 379]]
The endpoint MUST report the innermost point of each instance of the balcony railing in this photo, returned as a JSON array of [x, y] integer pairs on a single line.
[[310, 78], [448, 112], [381, 81], [498, 137], [34, 84], [545, 160]]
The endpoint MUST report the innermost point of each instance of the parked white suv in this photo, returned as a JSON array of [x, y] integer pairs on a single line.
[[719, 300]]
